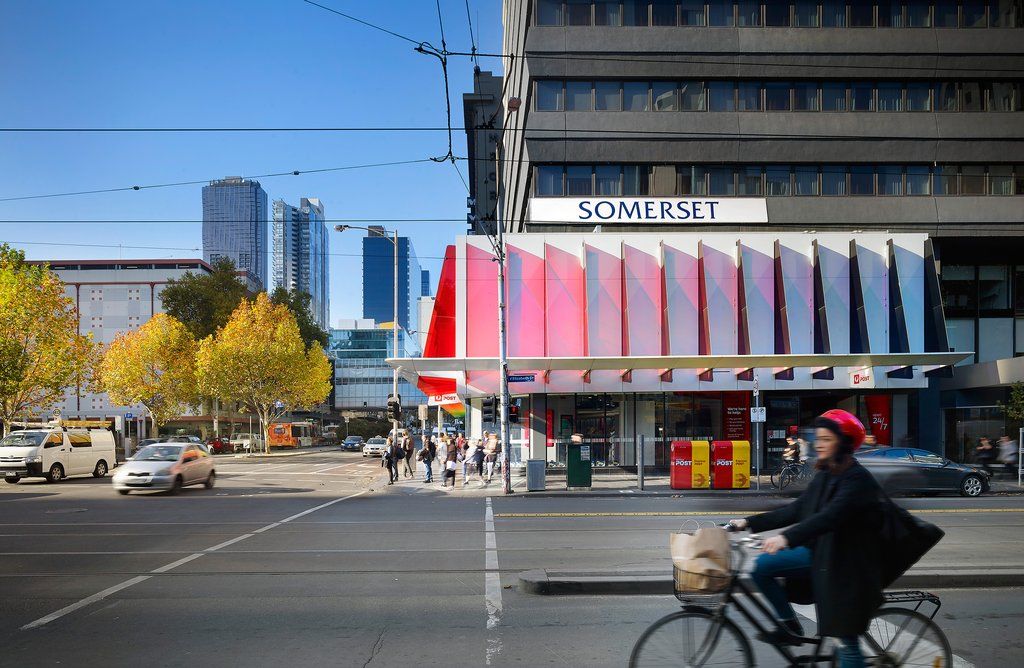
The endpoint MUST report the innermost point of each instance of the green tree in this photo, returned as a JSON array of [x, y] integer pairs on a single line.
[[42, 353], [298, 303], [204, 302], [1015, 407]]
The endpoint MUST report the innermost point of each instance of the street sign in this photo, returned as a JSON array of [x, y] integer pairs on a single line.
[[347, 418], [127, 416], [56, 412], [424, 412], [442, 399], [758, 414], [522, 378], [757, 387]]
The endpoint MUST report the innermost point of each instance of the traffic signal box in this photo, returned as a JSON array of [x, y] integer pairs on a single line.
[[730, 464], [690, 465]]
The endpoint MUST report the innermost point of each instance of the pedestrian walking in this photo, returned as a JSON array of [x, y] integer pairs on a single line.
[[490, 457], [449, 469], [460, 440], [1008, 454], [478, 462], [409, 452], [442, 450], [985, 454], [428, 460], [389, 461], [468, 453], [432, 448]]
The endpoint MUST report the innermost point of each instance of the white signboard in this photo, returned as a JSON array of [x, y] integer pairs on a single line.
[[442, 399], [597, 210], [758, 414], [861, 378], [423, 412]]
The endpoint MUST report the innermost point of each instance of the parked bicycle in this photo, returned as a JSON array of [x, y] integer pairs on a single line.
[[703, 634], [790, 472]]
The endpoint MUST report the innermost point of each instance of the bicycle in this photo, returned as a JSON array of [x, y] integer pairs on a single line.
[[789, 472], [702, 634]]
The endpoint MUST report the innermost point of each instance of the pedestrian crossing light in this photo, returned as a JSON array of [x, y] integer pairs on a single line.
[[513, 414], [489, 409], [394, 408]]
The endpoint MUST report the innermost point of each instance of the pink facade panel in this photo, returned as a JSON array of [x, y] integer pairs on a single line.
[[525, 298], [482, 308], [720, 290], [565, 310], [681, 301], [643, 302], [604, 303], [798, 283], [759, 299]]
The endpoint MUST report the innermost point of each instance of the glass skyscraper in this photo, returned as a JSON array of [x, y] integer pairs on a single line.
[[300, 258], [362, 380], [235, 225], [378, 279]]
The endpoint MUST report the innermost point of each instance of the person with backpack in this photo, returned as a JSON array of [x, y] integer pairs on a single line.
[[427, 459], [478, 461], [491, 457], [408, 452], [449, 467], [389, 460]]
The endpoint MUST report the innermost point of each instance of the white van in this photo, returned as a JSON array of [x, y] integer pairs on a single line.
[[56, 453]]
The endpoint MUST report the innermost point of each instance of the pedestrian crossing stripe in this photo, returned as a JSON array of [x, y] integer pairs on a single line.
[[735, 513]]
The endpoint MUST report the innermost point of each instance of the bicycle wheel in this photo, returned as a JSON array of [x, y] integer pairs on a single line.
[[691, 638], [776, 474], [901, 637], [785, 478]]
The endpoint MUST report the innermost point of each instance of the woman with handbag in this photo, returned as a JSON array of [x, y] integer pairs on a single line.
[[833, 543]]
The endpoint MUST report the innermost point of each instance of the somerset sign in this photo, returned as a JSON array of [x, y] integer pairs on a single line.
[[597, 210]]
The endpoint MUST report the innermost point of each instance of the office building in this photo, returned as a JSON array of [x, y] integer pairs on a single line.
[[425, 283], [483, 118], [378, 279], [300, 255], [362, 379], [235, 225]]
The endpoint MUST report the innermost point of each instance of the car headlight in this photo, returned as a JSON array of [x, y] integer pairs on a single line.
[[33, 460]]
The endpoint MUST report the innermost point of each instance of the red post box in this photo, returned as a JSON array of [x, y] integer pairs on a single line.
[[730, 462], [689, 466]]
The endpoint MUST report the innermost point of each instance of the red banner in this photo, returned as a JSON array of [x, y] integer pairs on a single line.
[[879, 417], [736, 416]]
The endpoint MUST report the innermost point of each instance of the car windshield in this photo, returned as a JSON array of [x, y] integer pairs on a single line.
[[376, 441], [148, 441], [158, 453], [21, 439]]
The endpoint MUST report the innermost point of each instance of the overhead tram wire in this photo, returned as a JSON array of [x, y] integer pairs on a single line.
[[365, 23]]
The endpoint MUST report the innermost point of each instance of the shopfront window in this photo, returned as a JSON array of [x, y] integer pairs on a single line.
[[995, 339], [993, 287], [960, 333], [959, 289]]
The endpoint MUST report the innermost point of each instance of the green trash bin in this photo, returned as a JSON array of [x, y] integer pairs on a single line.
[[578, 466]]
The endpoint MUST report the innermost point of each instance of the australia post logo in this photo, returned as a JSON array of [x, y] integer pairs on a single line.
[[683, 462], [723, 462]]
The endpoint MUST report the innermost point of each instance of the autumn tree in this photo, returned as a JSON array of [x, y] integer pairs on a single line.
[[298, 302], [259, 360], [204, 302], [155, 366], [42, 353]]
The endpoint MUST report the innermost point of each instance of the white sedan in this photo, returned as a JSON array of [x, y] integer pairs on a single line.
[[375, 447], [166, 466]]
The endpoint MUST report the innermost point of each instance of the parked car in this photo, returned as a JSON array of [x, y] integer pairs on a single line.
[[166, 466], [375, 447], [246, 442], [916, 470], [352, 444], [221, 445], [56, 453]]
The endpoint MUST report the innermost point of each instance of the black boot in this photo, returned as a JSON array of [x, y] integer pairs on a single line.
[[788, 632]]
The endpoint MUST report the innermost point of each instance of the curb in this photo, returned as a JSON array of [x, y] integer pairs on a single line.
[[668, 494], [276, 455], [554, 583]]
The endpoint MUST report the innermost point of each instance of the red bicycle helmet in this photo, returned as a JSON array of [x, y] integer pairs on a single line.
[[848, 424]]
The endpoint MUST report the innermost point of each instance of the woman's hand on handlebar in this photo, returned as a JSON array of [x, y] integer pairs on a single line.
[[775, 543], [737, 525]]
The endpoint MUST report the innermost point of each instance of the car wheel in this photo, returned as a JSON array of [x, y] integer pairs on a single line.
[[176, 485], [971, 485], [122, 492], [100, 470], [210, 480], [55, 474], [12, 479]]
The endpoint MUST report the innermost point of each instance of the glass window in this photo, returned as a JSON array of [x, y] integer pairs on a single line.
[[664, 95], [607, 13], [919, 96], [833, 13], [719, 12], [862, 180], [578, 12], [1004, 96], [750, 181], [691, 12], [833, 180], [692, 181], [993, 287], [974, 14], [960, 333], [691, 95], [1018, 291], [549, 96], [578, 179], [721, 181], [862, 13], [805, 180], [549, 181], [634, 96], [1005, 13], [805, 14], [663, 12], [995, 339], [634, 180], [862, 96], [959, 289], [1018, 180], [1018, 348], [776, 96], [577, 96], [919, 14], [634, 12], [945, 13], [777, 181], [805, 96], [721, 96], [972, 180], [748, 96], [749, 12], [776, 13], [945, 96], [890, 180], [608, 180], [970, 96], [946, 181], [918, 180], [833, 96], [549, 12], [607, 95], [890, 96], [1000, 180], [890, 14]]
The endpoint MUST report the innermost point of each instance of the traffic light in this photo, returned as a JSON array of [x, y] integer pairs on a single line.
[[513, 414], [394, 408], [489, 406]]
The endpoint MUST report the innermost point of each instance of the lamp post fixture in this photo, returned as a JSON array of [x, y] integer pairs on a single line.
[[393, 238]]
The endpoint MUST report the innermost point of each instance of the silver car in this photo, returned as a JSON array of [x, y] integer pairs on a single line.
[[166, 466], [375, 447]]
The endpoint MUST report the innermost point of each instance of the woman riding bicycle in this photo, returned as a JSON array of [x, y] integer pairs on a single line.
[[833, 543]]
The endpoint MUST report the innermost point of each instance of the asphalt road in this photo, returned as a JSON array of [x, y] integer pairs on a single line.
[[311, 561]]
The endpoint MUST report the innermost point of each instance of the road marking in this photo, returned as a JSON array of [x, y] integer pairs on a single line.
[[492, 585], [739, 513], [99, 596]]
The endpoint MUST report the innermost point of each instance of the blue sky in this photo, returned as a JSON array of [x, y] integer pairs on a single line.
[[258, 63]]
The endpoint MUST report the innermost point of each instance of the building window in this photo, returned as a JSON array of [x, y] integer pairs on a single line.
[[607, 179], [833, 96], [973, 14], [970, 96], [549, 96], [663, 12], [664, 95], [805, 96], [1005, 13], [993, 287], [578, 180], [805, 14], [748, 96], [946, 181], [918, 181], [919, 14], [919, 97], [833, 13], [890, 180], [890, 97], [945, 96], [1018, 180], [862, 13], [634, 180], [691, 12], [720, 13], [750, 181], [691, 95], [1004, 96], [862, 96], [776, 14], [862, 180], [890, 14], [972, 180], [1018, 348], [549, 12], [749, 13], [578, 96], [607, 13], [995, 339], [721, 181], [777, 182], [833, 181], [721, 96], [634, 96], [805, 180], [634, 12], [1000, 180], [692, 181], [608, 96], [959, 289], [776, 96], [578, 12], [549, 181]]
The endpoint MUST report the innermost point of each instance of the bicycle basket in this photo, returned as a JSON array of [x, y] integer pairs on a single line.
[[701, 561]]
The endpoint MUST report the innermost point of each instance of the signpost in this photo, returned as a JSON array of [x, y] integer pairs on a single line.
[[757, 418]]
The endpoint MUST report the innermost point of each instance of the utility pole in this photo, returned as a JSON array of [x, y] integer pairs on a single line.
[[394, 346]]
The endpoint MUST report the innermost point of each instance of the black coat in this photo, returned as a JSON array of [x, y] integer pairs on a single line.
[[842, 532]]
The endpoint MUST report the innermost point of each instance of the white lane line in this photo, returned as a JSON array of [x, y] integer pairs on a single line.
[[110, 591], [492, 585]]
